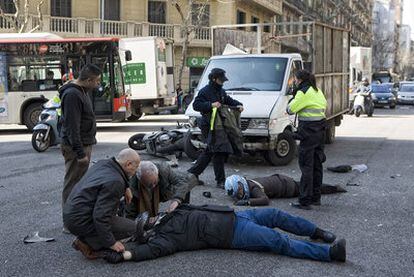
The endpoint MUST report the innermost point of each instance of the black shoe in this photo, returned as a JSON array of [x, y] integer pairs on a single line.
[[316, 202], [337, 252], [201, 183], [326, 236], [220, 185], [300, 206]]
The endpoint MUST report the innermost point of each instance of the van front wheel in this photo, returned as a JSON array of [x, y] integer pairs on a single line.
[[284, 151]]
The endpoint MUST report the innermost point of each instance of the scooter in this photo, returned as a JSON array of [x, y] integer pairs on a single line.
[[363, 102], [46, 133], [162, 142]]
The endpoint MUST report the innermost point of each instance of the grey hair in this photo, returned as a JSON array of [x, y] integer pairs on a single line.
[[147, 168], [127, 154]]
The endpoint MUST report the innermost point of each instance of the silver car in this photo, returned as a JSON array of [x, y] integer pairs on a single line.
[[406, 93]]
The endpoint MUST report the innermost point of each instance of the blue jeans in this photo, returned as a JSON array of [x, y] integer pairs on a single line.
[[253, 230]]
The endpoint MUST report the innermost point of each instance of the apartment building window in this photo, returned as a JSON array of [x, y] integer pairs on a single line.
[[201, 15], [157, 12], [266, 29], [241, 18], [7, 6], [61, 8], [255, 20], [110, 10]]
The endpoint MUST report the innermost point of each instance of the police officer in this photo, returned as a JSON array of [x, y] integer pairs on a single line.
[[209, 97], [309, 104]]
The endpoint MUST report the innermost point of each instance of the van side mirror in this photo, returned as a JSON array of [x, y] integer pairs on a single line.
[[128, 55]]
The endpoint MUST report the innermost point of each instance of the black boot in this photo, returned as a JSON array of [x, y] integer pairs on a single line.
[[337, 252], [326, 236], [300, 206]]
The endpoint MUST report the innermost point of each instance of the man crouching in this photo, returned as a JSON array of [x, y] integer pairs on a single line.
[[90, 211]]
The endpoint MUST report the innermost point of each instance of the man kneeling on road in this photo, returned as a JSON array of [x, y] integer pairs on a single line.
[[191, 227], [90, 211], [257, 191], [158, 182]]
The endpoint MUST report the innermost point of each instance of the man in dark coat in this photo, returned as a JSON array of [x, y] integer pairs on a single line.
[[90, 211], [78, 126], [209, 97], [155, 183], [257, 191], [200, 227]]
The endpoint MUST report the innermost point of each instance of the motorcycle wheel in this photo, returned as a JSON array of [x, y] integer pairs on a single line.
[[358, 111], [136, 142], [40, 142]]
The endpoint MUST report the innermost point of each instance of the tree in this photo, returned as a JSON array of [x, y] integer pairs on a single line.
[[383, 51], [19, 21], [191, 19]]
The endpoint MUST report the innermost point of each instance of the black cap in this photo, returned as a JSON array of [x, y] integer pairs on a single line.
[[218, 73]]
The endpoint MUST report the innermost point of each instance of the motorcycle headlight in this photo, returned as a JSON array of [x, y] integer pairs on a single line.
[[43, 116], [259, 124]]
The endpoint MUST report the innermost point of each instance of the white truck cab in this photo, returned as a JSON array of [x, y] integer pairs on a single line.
[[261, 82]]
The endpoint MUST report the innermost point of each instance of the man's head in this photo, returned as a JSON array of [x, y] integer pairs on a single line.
[[129, 161], [50, 75], [148, 174], [236, 186], [90, 76], [365, 81], [218, 76]]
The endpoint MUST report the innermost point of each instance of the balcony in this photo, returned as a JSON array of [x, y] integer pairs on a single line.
[[82, 27], [273, 5]]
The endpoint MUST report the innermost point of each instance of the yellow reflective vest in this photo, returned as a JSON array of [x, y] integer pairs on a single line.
[[309, 106]]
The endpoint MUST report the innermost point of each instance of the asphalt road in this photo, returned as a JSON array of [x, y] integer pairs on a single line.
[[376, 217]]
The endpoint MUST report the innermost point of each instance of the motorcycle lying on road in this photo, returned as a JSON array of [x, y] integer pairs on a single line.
[[363, 102], [163, 142], [45, 132]]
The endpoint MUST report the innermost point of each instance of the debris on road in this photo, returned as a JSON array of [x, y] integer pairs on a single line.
[[34, 237], [207, 194], [45, 203], [352, 184], [395, 176], [347, 168]]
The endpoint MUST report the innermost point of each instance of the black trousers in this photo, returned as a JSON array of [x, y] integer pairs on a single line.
[[311, 157], [218, 164]]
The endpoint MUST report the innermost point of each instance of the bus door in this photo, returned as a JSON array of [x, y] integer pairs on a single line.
[[102, 98]]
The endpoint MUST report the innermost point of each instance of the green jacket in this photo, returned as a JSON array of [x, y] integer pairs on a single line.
[[172, 184], [225, 129], [309, 105]]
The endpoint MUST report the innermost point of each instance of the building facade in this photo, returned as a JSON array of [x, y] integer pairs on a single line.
[[349, 14], [132, 18]]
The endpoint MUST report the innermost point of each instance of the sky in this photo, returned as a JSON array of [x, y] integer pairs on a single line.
[[408, 17]]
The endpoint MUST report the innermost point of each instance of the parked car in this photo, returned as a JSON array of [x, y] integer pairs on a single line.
[[383, 95], [406, 93]]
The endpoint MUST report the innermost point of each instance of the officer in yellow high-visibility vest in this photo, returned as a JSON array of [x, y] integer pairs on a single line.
[[309, 104]]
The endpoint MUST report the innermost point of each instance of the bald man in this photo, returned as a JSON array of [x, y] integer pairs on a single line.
[[90, 211]]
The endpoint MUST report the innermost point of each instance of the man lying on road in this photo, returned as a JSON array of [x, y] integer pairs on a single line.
[[191, 227], [90, 211], [158, 182], [257, 191]]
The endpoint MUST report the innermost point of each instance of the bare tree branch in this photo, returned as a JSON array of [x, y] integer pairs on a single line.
[[39, 16], [26, 17]]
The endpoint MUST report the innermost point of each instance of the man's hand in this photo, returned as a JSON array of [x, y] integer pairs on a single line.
[[113, 257], [118, 247], [240, 108], [84, 161], [174, 204], [242, 203], [128, 196], [216, 105]]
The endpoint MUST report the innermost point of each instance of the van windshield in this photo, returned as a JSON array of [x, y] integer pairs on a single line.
[[249, 73]]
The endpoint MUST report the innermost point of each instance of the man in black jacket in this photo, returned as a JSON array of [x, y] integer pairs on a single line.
[[78, 126], [199, 227], [90, 211], [209, 97]]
